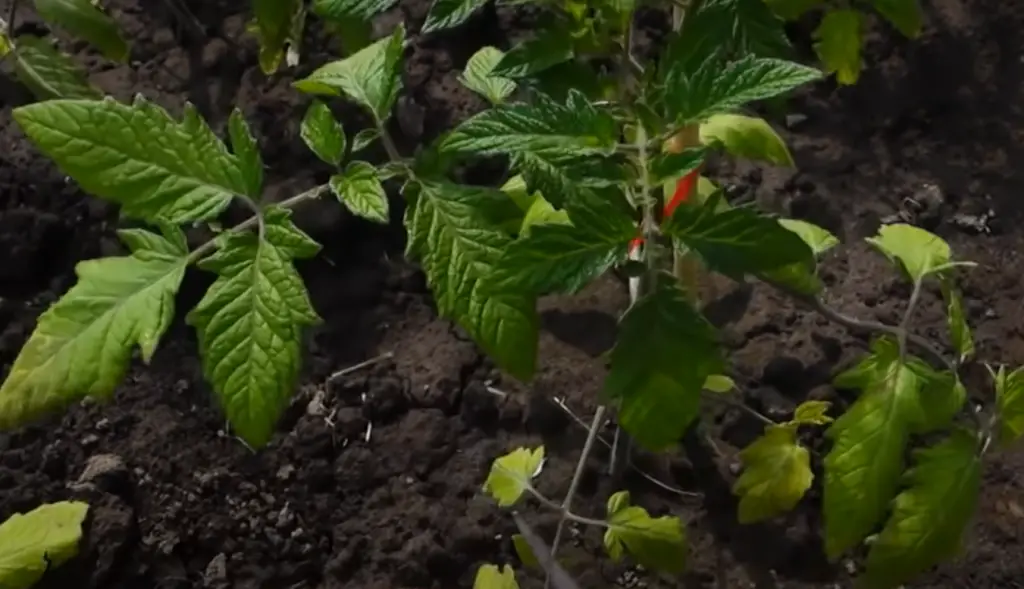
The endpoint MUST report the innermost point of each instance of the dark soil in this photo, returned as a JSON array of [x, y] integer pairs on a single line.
[[178, 502]]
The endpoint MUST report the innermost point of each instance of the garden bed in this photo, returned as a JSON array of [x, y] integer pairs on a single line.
[[373, 480]]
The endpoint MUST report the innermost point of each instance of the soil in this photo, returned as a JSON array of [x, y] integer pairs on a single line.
[[374, 478]]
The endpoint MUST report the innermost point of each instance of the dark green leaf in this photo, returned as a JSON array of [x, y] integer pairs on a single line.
[[84, 19], [351, 9], [552, 47], [274, 20], [674, 165], [247, 150], [445, 14]]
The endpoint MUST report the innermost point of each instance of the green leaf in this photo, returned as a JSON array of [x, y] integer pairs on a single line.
[[674, 166], [445, 14], [511, 474], [48, 73], [479, 76], [457, 239], [812, 413], [905, 15], [364, 138], [746, 137], [488, 576], [956, 319], [839, 40], [351, 9], [250, 323], [656, 543], [792, 9], [929, 517], [371, 76], [564, 179], [738, 240], [525, 552], [541, 212], [718, 383], [247, 150], [718, 88], [323, 134], [42, 539], [360, 190], [758, 31], [82, 345], [551, 47], [777, 473], [818, 239], [137, 156], [1010, 404], [84, 19], [273, 26], [917, 252], [942, 396], [5, 44], [544, 128], [665, 352]]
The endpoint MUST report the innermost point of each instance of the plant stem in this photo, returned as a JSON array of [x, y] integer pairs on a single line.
[[389, 144], [901, 338], [12, 13], [732, 401], [567, 515]]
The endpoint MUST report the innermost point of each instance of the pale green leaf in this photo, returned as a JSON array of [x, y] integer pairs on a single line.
[[956, 320], [322, 133], [1010, 403], [905, 15], [800, 278], [247, 149], [445, 14], [479, 76], [370, 76], [488, 576], [776, 474], [360, 190], [511, 474], [273, 27], [250, 323], [818, 239], [82, 345], [718, 383], [85, 20], [5, 44], [659, 391], [137, 156], [746, 137], [930, 516], [916, 251], [541, 212], [838, 42], [351, 9], [35, 542], [551, 47], [364, 138], [657, 543], [48, 73], [942, 396], [812, 413]]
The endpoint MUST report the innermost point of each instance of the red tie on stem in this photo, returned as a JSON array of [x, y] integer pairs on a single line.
[[684, 189]]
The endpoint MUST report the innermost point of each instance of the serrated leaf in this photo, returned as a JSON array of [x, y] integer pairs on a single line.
[[551, 47], [479, 76], [905, 15], [838, 42], [457, 239], [360, 190], [48, 73], [1010, 404], [322, 133], [929, 517], [85, 20], [170, 242], [273, 27], [247, 150], [488, 576], [738, 240], [719, 383], [746, 137], [563, 179], [758, 30], [817, 238], [915, 251], [656, 543], [511, 474], [370, 76], [445, 14], [543, 128], [665, 352], [777, 473], [351, 9], [35, 542], [250, 323], [82, 345], [956, 320], [676, 165], [137, 156], [812, 413]]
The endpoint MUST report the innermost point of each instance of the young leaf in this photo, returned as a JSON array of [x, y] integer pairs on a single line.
[[929, 517], [916, 251], [82, 345], [812, 413], [364, 138], [1010, 403], [479, 76], [551, 47], [718, 383], [137, 156], [250, 323], [371, 76], [5, 43], [445, 14], [656, 543], [839, 39], [512, 473], [48, 73], [665, 352], [818, 239], [273, 20], [323, 134], [34, 542], [942, 396], [905, 15], [777, 473], [956, 319], [360, 190], [746, 137], [674, 165], [457, 242], [488, 576], [544, 128], [351, 9], [247, 150], [736, 241], [84, 19]]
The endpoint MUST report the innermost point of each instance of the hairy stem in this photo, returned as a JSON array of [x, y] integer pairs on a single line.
[[389, 143]]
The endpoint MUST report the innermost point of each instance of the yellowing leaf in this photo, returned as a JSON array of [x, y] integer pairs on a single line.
[[489, 576], [917, 252], [746, 137], [1010, 402], [656, 543], [839, 39], [33, 542], [812, 413], [777, 473], [511, 474]]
